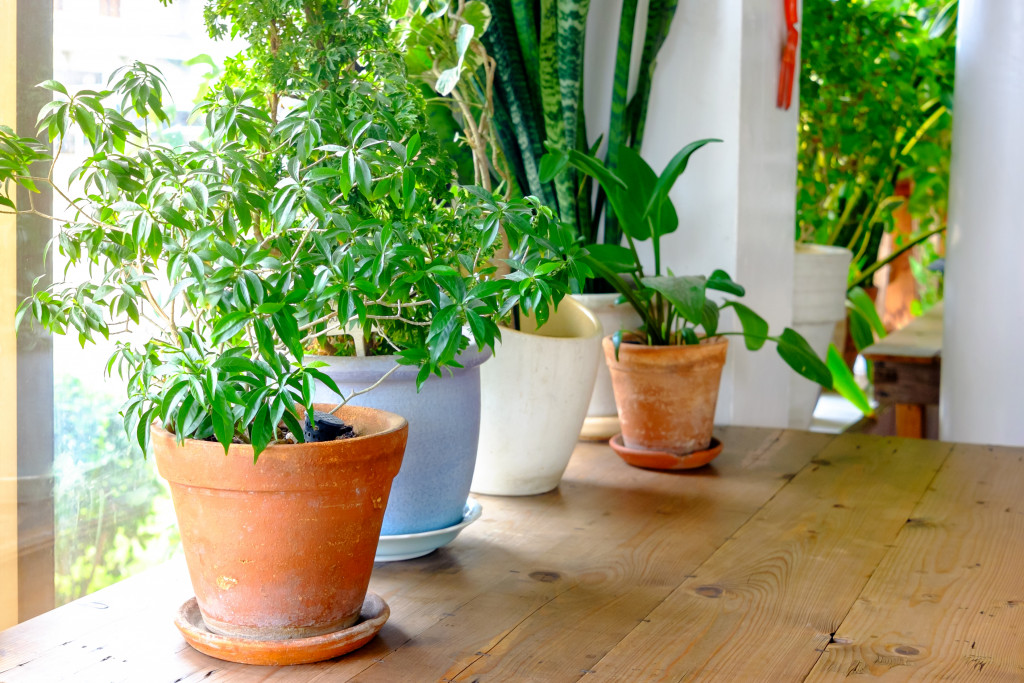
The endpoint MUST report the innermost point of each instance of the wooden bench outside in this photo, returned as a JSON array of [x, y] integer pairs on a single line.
[[908, 369]]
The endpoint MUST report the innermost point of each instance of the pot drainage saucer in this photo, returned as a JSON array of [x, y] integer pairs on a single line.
[[407, 546], [662, 460], [282, 652]]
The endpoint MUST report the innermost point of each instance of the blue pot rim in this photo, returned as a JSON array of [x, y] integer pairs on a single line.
[[369, 369]]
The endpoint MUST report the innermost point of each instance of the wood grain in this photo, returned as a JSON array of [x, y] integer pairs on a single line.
[[766, 603], [634, 537], [792, 552], [947, 602]]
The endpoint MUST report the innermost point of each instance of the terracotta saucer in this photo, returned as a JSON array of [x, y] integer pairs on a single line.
[[282, 652], [662, 460]]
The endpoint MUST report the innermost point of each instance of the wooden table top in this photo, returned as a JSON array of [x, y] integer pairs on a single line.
[[919, 341], [794, 556]]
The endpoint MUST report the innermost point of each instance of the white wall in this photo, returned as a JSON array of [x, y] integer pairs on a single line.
[[982, 395], [717, 77]]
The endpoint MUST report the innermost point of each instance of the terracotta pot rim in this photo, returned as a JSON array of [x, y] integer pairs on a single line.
[[639, 347], [394, 423]]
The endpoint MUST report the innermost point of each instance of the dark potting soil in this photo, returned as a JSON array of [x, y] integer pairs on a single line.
[[328, 428]]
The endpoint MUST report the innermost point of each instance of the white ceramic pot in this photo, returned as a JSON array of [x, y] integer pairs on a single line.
[[613, 317], [533, 398], [820, 275]]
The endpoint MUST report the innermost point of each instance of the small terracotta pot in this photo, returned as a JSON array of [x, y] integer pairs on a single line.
[[283, 548], [666, 394]]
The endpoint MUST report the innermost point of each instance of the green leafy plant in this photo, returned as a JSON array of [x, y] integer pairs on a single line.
[[443, 49], [674, 309], [875, 103], [317, 203], [538, 47]]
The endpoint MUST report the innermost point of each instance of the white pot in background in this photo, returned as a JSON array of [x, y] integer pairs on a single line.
[[534, 396], [819, 302], [602, 421]]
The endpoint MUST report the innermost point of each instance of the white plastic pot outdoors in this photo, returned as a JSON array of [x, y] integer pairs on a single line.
[[533, 398], [602, 420], [819, 302]]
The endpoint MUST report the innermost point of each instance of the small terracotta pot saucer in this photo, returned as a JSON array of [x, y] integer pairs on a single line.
[[282, 652], [662, 460]]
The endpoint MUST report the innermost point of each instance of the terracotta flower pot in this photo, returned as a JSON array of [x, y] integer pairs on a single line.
[[283, 548], [666, 394]]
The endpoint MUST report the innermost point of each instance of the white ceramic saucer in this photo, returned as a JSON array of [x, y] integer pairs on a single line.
[[408, 546]]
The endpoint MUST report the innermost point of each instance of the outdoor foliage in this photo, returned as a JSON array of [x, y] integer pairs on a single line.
[[106, 498], [876, 94], [316, 203]]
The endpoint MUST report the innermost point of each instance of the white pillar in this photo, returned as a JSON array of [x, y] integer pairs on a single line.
[[717, 77], [982, 395]]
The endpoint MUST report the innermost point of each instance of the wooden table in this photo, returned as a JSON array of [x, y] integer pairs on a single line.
[[908, 368], [794, 556]]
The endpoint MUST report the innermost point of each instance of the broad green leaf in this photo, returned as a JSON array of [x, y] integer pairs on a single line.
[[755, 328], [686, 293], [860, 301], [672, 171], [799, 355], [720, 281], [223, 419], [845, 383]]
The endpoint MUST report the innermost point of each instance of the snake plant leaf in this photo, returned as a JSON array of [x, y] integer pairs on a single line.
[[659, 18], [844, 382], [755, 328], [720, 281], [686, 293], [617, 125], [799, 355]]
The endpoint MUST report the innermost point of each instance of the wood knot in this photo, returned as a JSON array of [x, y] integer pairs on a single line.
[[709, 591], [545, 577], [906, 650]]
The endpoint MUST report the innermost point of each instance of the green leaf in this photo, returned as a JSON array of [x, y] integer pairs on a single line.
[[845, 383], [672, 171], [686, 293], [228, 326], [54, 86], [755, 328], [720, 281], [799, 355], [223, 419], [863, 304]]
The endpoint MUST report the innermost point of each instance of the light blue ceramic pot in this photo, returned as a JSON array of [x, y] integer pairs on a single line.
[[431, 489]]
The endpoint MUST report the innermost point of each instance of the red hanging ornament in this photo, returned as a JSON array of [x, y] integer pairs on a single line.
[[788, 69]]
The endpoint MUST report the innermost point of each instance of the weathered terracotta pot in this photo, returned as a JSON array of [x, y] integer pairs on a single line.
[[283, 548], [666, 394]]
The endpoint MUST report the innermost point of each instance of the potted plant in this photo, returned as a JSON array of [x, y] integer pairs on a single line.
[[534, 400], [223, 259], [666, 373], [454, 272]]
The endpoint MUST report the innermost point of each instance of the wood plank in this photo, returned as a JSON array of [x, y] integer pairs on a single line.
[[910, 420], [640, 539], [947, 602], [766, 603], [602, 501], [921, 339], [898, 382]]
